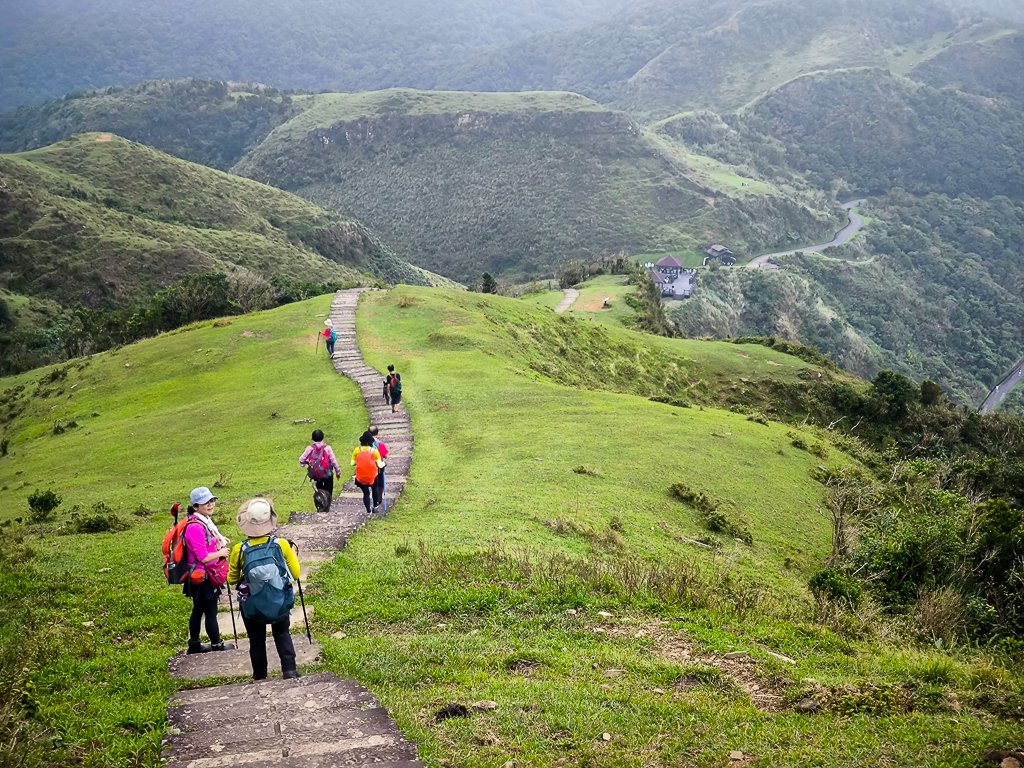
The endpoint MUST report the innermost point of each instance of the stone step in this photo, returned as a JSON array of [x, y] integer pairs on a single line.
[[235, 663], [227, 633]]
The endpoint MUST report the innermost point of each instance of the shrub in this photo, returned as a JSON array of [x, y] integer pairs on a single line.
[[42, 504], [836, 585], [942, 613], [102, 519]]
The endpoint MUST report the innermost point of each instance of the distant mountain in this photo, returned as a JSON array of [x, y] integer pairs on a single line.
[[51, 47], [668, 56], [457, 182], [871, 131]]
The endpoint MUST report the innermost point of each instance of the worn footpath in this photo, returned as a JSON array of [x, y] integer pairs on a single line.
[[317, 720]]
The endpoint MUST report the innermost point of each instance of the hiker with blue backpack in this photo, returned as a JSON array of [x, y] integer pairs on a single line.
[[330, 336], [321, 467], [263, 568]]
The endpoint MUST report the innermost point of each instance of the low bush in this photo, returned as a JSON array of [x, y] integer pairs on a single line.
[[42, 504], [835, 585]]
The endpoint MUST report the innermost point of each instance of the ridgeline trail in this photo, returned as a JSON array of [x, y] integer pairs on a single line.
[[571, 294], [318, 719], [844, 235]]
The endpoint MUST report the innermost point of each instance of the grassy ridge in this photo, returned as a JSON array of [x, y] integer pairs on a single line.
[[488, 580], [206, 404], [462, 593]]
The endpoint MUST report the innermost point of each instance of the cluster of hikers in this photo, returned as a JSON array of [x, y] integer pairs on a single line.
[[264, 567]]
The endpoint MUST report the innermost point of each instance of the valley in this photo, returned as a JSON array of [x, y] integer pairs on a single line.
[[759, 505]]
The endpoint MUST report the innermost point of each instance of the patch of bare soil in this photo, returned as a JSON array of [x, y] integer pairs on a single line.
[[253, 335], [103, 138], [764, 693]]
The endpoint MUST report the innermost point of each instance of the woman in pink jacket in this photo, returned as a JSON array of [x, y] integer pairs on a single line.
[[204, 544]]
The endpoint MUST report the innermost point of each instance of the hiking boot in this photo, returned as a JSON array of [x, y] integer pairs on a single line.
[[194, 646], [291, 674], [222, 646], [376, 510]]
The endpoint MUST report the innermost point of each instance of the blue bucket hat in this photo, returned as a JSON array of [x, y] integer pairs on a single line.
[[200, 496]]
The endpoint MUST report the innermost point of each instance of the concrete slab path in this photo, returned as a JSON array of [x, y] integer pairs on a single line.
[[317, 720]]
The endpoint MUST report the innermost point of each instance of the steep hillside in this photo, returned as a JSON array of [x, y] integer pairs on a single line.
[[509, 183], [50, 47], [933, 290], [206, 122], [670, 55], [101, 223], [876, 132]]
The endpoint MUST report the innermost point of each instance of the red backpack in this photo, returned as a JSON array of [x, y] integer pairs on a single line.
[[366, 467], [319, 463], [176, 566]]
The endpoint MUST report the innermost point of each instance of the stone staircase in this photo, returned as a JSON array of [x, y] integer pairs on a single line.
[[317, 720]]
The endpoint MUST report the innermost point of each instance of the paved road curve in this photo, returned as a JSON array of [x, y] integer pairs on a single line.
[[995, 398], [853, 226]]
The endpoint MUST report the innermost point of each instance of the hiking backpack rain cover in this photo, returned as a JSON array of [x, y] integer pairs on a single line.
[[318, 463], [271, 596]]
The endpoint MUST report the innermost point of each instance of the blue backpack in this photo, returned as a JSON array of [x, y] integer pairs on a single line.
[[270, 596]]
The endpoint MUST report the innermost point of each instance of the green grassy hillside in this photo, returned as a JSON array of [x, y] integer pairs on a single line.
[[538, 499], [521, 181], [99, 222], [86, 614]]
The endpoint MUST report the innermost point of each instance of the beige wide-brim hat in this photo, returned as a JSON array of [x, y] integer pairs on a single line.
[[257, 517]]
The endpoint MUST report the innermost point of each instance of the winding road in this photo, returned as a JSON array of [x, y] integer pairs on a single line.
[[571, 294], [995, 398], [853, 226]]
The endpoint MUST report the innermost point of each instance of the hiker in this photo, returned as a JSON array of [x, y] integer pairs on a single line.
[[321, 467], [204, 545], [382, 449], [330, 336], [366, 459], [394, 385], [263, 567], [387, 392]]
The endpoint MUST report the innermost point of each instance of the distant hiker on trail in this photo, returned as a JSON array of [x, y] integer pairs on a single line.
[[205, 545], [321, 467], [394, 386], [387, 392], [382, 449], [263, 567], [366, 459], [330, 336]]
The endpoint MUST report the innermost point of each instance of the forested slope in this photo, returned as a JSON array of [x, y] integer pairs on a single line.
[[103, 226], [51, 47]]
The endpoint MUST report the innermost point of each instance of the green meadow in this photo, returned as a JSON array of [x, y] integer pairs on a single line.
[[536, 560]]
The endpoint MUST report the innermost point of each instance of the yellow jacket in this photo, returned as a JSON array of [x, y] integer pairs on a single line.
[[235, 562]]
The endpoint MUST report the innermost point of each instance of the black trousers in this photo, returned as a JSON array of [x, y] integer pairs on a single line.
[[257, 631], [369, 490], [204, 604], [379, 486]]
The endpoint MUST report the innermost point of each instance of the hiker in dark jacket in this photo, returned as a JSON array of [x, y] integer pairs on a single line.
[[257, 520], [394, 382], [204, 544], [323, 467]]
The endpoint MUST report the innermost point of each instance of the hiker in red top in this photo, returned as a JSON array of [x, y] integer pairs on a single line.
[[204, 544], [330, 336], [382, 449], [322, 467]]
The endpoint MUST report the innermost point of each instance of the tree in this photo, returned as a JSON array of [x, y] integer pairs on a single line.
[[893, 394], [488, 284]]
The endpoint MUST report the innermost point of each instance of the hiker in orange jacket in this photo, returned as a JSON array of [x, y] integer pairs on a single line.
[[367, 462]]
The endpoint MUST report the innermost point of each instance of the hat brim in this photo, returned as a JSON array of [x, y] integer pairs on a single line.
[[251, 529]]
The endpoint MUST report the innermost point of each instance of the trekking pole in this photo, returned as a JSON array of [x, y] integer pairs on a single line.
[[231, 605], [302, 600], [317, 350]]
